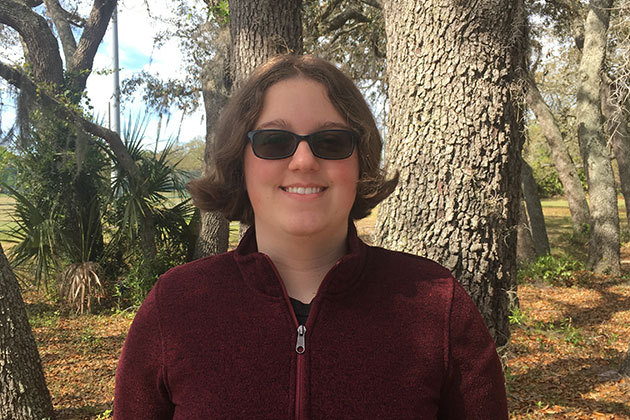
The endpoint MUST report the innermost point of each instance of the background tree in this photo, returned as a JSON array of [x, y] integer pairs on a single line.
[[260, 29], [567, 172], [23, 391], [603, 254], [617, 107], [535, 218], [351, 34], [455, 135]]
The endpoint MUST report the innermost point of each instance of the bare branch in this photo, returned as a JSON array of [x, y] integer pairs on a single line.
[[55, 11], [343, 17], [74, 18], [91, 38], [373, 3], [329, 9]]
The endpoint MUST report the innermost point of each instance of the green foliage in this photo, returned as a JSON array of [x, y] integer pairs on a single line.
[[555, 270], [517, 317], [538, 154], [571, 334], [81, 229], [220, 10], [107, 414], [130, 289], [35, 233], [8, 171]]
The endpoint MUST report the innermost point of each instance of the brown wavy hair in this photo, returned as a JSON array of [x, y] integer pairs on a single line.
[[223, 187]]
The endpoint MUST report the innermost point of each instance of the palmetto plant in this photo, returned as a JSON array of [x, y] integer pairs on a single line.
[[80, 284], [162, 182], [35, 234], [56, 237]]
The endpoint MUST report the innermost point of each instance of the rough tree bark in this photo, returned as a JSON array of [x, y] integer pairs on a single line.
[[603, 250], [214, 232], [573, 191], [23, 391], [525, 251], [617, 128], [455, 135], [260, 29], [535, 217]]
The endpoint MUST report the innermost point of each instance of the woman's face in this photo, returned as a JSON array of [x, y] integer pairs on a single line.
[[301, 194]]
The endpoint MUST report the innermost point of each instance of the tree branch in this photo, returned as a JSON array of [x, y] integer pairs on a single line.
[[92, 36], [55, 11], [20, 80], [373, 3], [343, 17], [332, 5], [43, 51], [74, 18]]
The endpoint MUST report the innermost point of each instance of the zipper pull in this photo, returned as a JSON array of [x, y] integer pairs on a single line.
[[300, 346]]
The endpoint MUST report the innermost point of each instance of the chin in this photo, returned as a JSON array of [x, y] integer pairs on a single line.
[[311, 227]]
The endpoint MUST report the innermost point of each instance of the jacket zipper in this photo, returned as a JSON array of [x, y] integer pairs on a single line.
[[300, 348]]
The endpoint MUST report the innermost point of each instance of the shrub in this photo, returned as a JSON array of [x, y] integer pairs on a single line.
[[555, 270]]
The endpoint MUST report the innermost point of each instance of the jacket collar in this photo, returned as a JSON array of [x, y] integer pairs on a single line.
[[259, 272]]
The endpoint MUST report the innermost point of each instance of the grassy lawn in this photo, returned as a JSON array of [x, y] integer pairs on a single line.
[[6, 208]]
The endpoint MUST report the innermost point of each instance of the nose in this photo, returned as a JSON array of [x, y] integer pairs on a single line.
[[303, 159]]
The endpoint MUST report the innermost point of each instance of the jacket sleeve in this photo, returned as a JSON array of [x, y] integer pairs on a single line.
[[141, 391], [475, 387]]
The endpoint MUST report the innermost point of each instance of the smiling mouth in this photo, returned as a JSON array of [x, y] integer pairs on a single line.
[[303, 190]]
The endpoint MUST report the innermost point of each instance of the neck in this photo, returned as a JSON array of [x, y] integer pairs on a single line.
[[302, 261]]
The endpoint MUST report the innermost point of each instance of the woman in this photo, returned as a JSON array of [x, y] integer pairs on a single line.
[[303, 320]]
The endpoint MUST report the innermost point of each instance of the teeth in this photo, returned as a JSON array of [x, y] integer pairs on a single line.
[[302, 190]]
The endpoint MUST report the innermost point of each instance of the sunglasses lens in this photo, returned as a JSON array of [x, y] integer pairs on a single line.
[[270, 144], [332, 144], [280, 144]]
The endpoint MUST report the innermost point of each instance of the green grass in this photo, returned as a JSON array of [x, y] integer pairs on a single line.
[[6, 224], [560, 228]]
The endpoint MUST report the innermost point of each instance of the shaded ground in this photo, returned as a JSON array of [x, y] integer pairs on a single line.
[[565, 349]]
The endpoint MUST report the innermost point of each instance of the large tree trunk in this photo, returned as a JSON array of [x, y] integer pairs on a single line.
[[259, 30], [535, 215], [603, 251], [23, 391], [455, 135], [214, 232], [617, 128], [525, 251], [573, 191]]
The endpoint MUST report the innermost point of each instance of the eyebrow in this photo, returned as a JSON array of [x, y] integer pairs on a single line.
[[282, 124]]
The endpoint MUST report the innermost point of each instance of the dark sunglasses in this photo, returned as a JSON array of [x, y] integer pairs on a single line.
[[280, 144]]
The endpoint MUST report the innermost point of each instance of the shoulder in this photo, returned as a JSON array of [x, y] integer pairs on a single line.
[[196, 276], [418, 281], [402, 263]]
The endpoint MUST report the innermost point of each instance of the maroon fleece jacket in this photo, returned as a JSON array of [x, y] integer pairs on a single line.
[[389, 336]]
